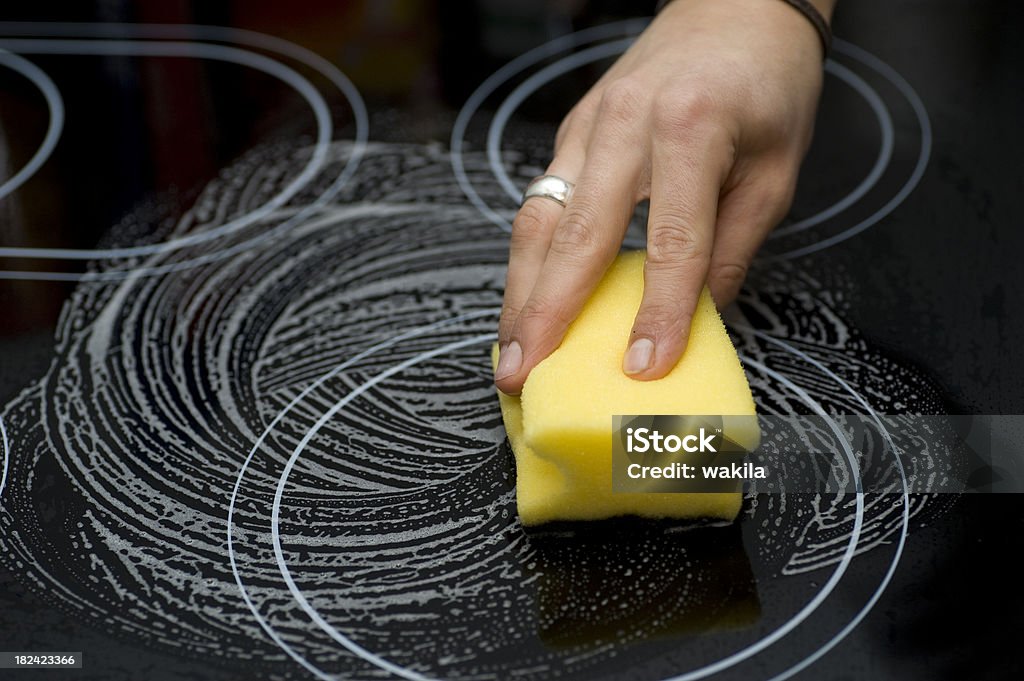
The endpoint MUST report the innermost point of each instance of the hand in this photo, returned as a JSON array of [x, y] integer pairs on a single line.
[[708, 114]]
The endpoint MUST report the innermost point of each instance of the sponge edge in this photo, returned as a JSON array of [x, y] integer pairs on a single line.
[[560, 427]]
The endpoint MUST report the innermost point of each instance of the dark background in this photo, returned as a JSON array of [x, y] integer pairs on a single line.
[[942, 277], [938, 284]]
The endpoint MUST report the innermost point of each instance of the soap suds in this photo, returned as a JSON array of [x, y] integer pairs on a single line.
[[398, 520]]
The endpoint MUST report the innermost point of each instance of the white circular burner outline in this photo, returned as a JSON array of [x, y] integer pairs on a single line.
[[602, 51], [884, 158], [700, 673], [501, 76], [529, 86], [924, 123], [904, 530], [396, 339], [198, 50], [275, 514], [152, 43], [264, 624], [55, 111], [690, 676]]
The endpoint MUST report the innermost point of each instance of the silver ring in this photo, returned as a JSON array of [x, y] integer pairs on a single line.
[[549, 187]]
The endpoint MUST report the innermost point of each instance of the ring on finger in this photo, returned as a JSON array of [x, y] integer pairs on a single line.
[[550, 187]]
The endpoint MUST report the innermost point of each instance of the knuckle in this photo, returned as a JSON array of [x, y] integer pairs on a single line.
[[542, 315], [623, 99], [684, 109], [533, 310], [576, 235], [529, 225], [509, 315], [673, 241], [658, 318], [732, 274]]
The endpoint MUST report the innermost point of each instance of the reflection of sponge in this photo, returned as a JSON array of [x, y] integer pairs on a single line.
[[560, 428], [623, 581]]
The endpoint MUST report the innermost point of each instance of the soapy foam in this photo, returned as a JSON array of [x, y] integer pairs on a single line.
[[395, 525], [397, 522]]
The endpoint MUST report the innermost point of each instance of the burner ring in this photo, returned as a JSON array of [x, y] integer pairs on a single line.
[[55, 108], [178, 41], [613, 48], [700, 673]]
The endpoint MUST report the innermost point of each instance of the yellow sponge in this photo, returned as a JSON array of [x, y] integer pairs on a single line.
[[560, 427]]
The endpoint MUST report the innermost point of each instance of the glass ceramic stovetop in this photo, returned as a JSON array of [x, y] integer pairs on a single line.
[[251, 261]]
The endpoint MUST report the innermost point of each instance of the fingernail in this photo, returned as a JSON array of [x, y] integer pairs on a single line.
[[509, 361], [639, 356]]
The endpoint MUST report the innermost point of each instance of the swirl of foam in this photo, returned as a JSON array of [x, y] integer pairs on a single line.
[[162, 381], [773, 325], [400, 522]]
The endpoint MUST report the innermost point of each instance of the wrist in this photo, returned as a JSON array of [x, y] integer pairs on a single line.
[[814, 14], [825, 8]]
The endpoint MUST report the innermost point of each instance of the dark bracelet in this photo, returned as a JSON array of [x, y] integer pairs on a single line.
[[808, 10], [818, 21]]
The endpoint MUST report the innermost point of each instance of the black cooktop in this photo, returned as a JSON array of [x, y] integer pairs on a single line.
[[250, 265]]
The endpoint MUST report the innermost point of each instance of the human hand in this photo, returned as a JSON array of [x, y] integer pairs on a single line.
[[708, 115]]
